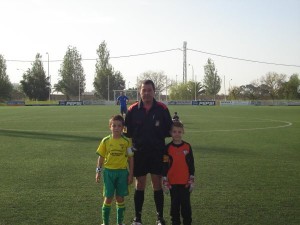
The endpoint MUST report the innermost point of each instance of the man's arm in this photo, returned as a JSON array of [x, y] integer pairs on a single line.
[[131, 165], [168, 122]]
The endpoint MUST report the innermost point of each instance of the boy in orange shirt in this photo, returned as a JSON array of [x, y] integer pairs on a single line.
[[178, 175]]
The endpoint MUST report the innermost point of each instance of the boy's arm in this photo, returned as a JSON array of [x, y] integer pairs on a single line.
[[190, 162], [99, 168], [191, 166], [166, 159]]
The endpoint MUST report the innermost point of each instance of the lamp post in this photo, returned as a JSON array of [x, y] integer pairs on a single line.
[[21, 70], [107, 87], [224, 89], [229, 84], [49, 78], [79, 89], [194, 79]]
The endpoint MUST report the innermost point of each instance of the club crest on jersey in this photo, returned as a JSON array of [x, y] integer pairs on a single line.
[[157, 123], [185, 152]]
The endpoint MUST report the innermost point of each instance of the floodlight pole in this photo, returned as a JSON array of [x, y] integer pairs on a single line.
[[194, 79], [78, 88], [49, 78], [224, 88], [107, 87]]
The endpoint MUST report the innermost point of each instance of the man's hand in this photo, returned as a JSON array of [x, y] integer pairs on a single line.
[[130, 179], [166, 185]]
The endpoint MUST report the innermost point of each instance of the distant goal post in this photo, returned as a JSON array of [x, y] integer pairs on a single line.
[[133, 95]]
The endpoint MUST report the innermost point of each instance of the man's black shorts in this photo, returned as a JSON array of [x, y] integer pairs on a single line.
[[147, 162]]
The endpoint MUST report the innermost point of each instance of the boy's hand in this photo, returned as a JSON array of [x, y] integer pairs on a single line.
[[191, 183], [98, 176]]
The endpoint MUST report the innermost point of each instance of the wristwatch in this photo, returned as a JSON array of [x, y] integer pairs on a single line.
[[98, 169]]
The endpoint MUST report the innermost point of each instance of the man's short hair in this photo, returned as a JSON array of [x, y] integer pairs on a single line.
[[147, 82]]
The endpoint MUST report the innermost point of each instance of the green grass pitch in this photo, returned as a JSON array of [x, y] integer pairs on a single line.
[[247, 165]]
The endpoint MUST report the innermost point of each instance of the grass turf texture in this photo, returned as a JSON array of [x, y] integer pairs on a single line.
[[247, 165]]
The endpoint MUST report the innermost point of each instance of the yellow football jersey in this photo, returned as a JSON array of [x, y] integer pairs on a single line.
[[114, 152]]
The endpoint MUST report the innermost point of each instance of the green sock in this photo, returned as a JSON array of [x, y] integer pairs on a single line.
[[105, 213], [120, 212]]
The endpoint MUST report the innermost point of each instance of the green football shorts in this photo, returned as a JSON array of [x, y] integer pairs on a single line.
[[115, 182]]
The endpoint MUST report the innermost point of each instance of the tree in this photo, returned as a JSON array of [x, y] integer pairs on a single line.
[[5, 84], [249, 91], [186, 91], [274, 83], [212, 82], [290, 88], [72, 82], [159, 79], [235, 93], [106, 79], [195, 89], [35, 84], [17, 92], [179, 92]]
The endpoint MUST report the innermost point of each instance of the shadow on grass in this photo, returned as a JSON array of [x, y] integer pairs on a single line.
[[48, 136]]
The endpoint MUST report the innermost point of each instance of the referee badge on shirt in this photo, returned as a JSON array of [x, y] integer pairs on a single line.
[[157, 123]]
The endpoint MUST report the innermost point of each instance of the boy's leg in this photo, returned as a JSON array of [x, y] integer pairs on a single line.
[[120, 209], [175, 205], [121, 191], [105, 212], [108, 193], [186, 210]]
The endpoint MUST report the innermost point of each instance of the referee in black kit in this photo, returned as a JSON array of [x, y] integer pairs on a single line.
[[148, 123]]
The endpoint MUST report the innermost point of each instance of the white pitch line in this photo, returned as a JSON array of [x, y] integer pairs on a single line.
[[287, 124]]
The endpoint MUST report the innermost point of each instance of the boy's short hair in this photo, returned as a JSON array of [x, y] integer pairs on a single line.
[[177, 124], [117, 118]]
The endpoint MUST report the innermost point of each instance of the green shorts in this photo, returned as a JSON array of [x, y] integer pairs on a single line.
[[115, 182]]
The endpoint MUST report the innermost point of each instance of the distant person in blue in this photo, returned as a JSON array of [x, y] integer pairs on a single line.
[[122, 100]]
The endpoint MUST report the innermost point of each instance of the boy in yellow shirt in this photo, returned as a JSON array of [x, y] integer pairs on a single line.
[[115, 154]]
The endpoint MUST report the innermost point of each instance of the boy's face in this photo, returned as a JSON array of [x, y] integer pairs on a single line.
[[177, 133], [116, 127]]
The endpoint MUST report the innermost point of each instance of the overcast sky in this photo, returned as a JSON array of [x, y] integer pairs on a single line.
[[258, 30]]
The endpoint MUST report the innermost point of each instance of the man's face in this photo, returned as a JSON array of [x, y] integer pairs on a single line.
[[147, 93]]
